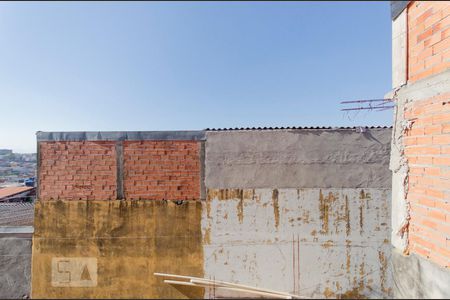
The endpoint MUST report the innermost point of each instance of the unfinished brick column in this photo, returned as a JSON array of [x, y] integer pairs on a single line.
[[420, 158]]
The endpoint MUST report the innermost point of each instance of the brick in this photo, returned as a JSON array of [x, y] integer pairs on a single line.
[[427, 33], [441, 139], [422, 150], [421, 251], [435, 193], [422, 242], [424, 140], [433, 60], [445, 33], [438, 259], [444, 205], [425, 160], [443, 161], [441, 46], [414, 131], [429, 223], [160, 166], [427, 202], [433, 129], [434, 18], [73, 167], [423, 17], [437, 215], [445, 150]]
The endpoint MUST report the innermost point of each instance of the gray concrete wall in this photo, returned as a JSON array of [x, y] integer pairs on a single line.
[[15, 266], [298, 158], [399, 50], [312, 242], [301, 211], [418, 278]]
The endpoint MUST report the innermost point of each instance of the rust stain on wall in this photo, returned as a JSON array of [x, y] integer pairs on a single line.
[[325, 207], [362, 197], [228, 194], [327, 244], [354, 293], [240, 206], [130, 239], [207, 236], [383, 271], [276, 207], [347, 217], [347, 255]]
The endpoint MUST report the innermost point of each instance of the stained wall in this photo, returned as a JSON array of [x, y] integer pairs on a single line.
[[303, 211]]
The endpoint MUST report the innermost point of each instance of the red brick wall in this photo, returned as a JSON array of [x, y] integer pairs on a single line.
[[77, 170], [427, 143], [428, 38], [162, 170], [153, 170], [427, 148]]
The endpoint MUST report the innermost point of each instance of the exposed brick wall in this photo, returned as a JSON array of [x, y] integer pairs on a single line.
[[77, 170], [160, 170], [427, 142], [428, 38], [427, 149], [153, 170]]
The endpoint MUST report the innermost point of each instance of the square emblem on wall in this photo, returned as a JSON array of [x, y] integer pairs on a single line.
[[74, 271]]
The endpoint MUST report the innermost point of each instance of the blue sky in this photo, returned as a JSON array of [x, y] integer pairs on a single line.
[[187, 66]]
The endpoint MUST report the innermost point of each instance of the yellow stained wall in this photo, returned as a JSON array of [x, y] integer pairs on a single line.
[[130, 239]]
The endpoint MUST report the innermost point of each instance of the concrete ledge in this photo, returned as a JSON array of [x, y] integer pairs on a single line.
[[16, 229], [119, 135], [16, 232], [426, 87], [416, 277]]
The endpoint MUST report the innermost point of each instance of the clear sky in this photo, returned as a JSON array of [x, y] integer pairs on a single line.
[[188, 66]]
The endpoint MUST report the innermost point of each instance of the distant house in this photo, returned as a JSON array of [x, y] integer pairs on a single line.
[[5, 151], [16, 193]]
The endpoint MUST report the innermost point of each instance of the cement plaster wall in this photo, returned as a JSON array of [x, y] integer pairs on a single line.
[[312, 242], [129, 240], [298, 159], [302, 211], [418, 278], [15, 266]]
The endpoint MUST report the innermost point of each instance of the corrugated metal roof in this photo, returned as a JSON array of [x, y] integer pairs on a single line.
[[11, 191], [16, 214], [299, 127]]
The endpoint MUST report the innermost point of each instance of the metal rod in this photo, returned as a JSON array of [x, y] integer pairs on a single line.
[[371, 107], [363, 101]]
